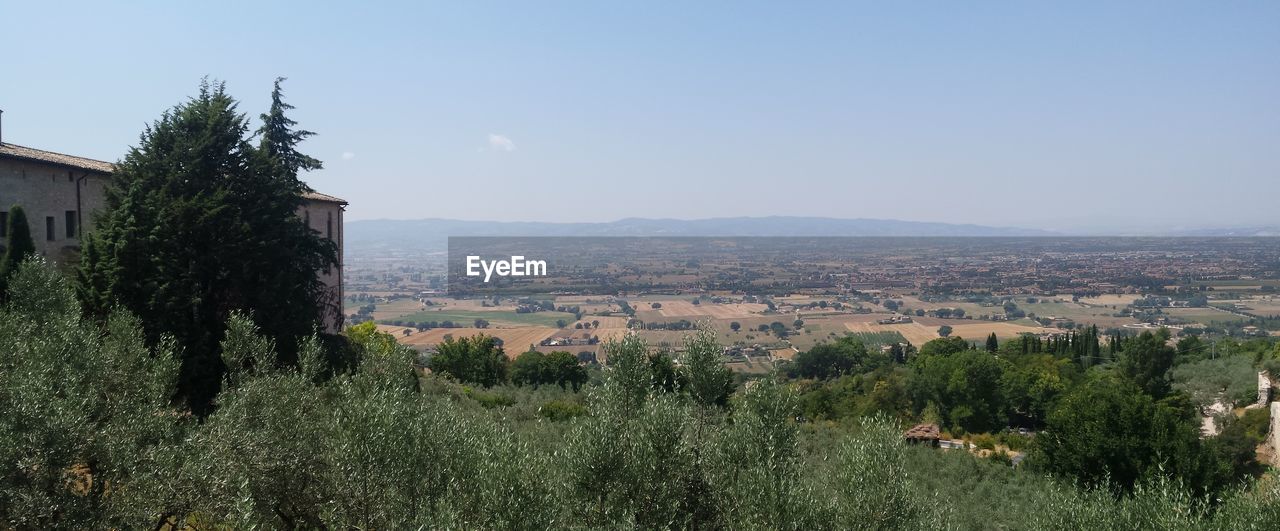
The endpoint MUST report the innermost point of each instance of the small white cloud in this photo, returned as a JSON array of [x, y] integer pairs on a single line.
[[347, 155], [500, 143]]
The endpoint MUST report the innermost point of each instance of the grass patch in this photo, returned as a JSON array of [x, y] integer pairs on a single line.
[[878, 339]]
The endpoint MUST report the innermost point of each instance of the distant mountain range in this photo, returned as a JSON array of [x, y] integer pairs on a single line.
[[431, 234], [1228, 232]]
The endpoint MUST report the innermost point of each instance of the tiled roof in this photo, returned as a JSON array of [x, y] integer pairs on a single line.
[[324, 198], [923, 431], [38, 155], [49, 157]]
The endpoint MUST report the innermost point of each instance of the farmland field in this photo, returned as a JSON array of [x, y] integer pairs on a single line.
[[469, 304], [1264, 307], [1203, 315], [875, 339], [970, 308], [1102, 316], [515, 340], [715, 311], [610, 328], [386, 310], [495, 317], [1119, 301], [925, 329], [916, 333]]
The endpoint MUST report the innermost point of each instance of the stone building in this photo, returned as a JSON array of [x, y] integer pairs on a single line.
[[61, 192]]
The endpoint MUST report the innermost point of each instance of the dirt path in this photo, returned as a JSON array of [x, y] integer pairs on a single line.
[[1208, 418]]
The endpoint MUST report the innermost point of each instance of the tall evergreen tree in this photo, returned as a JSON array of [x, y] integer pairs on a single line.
[[20, 246], [280, 139], [200, 224], [993, 344]]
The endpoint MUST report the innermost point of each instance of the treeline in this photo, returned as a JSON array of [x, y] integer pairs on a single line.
[[94, 441], [1104, 416], [481, 360]]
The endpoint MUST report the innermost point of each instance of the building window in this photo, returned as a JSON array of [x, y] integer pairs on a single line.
[[328, 226], [306, 216], [49, 233], [71, 224]]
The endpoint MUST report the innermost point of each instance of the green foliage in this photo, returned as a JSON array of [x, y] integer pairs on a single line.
[[80, 406], [878, 339], [1232, 378], [709, 381], [871, 482], [846, 355], [561, 368], [528, 368], [1032, 385], [200, 224], [89, 439], [490, 400], [1108, 431], [280, 138], [1146, 361], [20, 246], [946, 345], [1238, 441], [882, 391], [561, 410], [476, 359], [755, 467], [965, 385]]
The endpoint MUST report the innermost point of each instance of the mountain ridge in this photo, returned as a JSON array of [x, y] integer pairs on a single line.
[[433, 232]]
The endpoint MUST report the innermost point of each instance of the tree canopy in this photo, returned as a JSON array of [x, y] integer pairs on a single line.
[[474, 359], [199, 224], [829, 360], [20, 246]]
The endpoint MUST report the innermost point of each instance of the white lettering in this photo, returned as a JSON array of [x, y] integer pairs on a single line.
[[517, 266], [537, 268], [488, 268]]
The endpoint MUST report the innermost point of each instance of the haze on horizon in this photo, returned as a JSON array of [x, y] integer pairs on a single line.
[[1077, 117]]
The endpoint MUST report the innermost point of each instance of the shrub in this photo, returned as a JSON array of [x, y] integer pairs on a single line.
[[560, 410]]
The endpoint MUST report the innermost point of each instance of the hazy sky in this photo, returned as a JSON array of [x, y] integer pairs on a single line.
[[1076, 116]]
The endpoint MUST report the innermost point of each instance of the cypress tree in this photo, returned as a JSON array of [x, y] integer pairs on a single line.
[[200, 223], [280, 139], [20, 246], [993, 344]]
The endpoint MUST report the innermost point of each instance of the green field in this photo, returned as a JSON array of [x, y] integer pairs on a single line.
[[1102, 316], [466, 318], [877, 339], [1203, 315]]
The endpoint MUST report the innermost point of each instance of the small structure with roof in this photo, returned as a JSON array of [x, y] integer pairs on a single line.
[[927, 434]]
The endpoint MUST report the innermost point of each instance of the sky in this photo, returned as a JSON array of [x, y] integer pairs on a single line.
[[1081, 116]]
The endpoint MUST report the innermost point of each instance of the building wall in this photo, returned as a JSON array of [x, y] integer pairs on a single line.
[[325, 217], [1275, 433], [49, 191]]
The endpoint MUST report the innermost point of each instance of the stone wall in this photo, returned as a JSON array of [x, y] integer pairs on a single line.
[[325, 217], [1275, 433], [54, 197], [1264, 388], [48, 194]]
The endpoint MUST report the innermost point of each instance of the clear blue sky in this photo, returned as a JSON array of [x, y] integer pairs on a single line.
[[1076, 116]]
